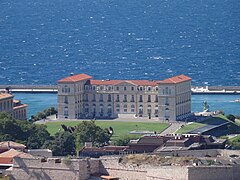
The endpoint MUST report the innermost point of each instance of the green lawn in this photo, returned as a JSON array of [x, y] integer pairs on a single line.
[[120, 128], [190, 127]]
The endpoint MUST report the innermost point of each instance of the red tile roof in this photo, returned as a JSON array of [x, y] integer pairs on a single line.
[[20, 106], [6, 160], [75, 78], [14, 145], [176, 79], [80, 77], [5, 95]]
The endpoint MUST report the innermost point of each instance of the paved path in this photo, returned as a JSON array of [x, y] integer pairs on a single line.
[[172, 128]]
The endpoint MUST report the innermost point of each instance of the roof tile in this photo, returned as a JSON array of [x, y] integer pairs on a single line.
[[75, 78]]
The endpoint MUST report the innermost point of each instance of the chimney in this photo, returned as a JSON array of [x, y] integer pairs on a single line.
[[71, 74]]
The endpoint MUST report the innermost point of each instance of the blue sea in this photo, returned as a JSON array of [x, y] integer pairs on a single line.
[[43, 41]]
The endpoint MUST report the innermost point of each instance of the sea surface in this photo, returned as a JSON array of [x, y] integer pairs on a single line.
[[41, 101], [42, 41]]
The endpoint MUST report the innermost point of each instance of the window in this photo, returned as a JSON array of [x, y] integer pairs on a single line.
[[101, 88], [125, 88], [86, 109], [86, 87], [109, 109], [109, 98], [85, 97], [156, 109], [140, 98], [117, 107], [101, 98], [149, 88], [101, 109], [149, 98], [125, 107], [66, 99], [66, 89], [132, 98], [117, 99], [156, 98], [65, 111], [125, 98], [149, 109], [94, 109], [140, 109], [166, 101], [94, 88], [140, 88], [156, 88], [117, 88], [109, 88], [132, 88], [132, 108], [94, 97]]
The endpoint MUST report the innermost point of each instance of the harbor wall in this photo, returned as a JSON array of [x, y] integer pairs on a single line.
[[54, 89]]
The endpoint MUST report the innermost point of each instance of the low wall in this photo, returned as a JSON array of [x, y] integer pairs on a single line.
[[66, 169], [214, 173], [168, 173], [123, 171]]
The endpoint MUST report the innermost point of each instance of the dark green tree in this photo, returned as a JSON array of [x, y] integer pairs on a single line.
[[32, 135], [62, 144], [88, 131]]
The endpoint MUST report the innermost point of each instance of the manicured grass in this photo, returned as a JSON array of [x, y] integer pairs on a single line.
[[120, 128], [190, 127]]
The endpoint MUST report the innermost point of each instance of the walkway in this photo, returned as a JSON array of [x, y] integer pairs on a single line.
[[173, 128]]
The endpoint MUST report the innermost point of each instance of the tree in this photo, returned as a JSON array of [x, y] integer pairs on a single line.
[[62, 144], [88, 131], [32, 135], [44, 114], [123, 141], [231, 117]]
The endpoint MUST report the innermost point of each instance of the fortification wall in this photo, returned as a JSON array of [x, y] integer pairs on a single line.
[[52, 169], [214, 173], [168, 173], [193, 153], [228, 153], [122, 171]]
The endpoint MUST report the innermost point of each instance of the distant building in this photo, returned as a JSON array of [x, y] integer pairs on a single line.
[[13, 107], [80, 96]]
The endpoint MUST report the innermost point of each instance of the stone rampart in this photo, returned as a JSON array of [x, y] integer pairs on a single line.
[[214, 173], [53, 169]]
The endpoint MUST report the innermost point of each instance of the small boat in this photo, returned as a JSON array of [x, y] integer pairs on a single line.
[[237, 100]]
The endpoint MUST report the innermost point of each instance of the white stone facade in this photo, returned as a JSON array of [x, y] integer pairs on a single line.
[[80, 97]]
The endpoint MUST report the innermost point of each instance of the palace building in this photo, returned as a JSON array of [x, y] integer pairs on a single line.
[[13, 107], [80, 97]]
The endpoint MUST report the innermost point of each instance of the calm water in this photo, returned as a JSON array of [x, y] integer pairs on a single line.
[[39, 102], [42, 41]]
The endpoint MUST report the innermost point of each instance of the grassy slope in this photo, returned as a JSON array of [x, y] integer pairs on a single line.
[[210, 121], [190, 127], [120, 128]]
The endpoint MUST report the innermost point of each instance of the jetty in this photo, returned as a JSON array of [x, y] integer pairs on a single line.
[[30, 88], [54, 89], [215, 89]]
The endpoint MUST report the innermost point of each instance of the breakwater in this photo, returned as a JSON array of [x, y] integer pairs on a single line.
[[53, 89], [30, 88]]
